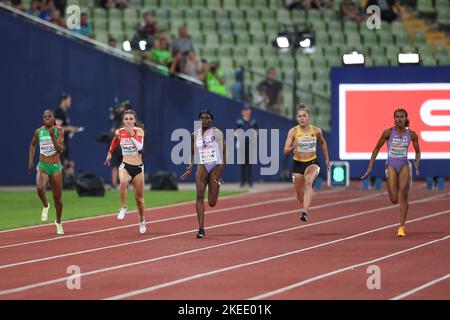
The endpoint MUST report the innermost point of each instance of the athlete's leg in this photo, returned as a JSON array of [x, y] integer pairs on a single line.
[[214, 185], [124, 179], [392, 184], [404, 181], [299, 183], [201, 180], [138, 185], [56, 182], [310, 175], [41, 183], [114, 176]]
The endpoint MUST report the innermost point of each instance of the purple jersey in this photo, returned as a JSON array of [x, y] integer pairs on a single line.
[[398, 149]]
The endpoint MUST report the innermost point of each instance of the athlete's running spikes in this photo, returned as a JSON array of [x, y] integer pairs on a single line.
[[59, 228], [44, 214], [304, 217], [121, 214], [142, 227], [401, 232], [200, 233]]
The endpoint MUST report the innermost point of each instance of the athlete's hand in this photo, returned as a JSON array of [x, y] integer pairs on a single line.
[[129, 130], [417, 170], [108, 159], [327, 163], [187, 173], [366, 174]]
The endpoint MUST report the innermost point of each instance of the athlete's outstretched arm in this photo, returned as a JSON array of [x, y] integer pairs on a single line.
[[115, 141], [384, 137], [288, 147], [188, 171], [32, 150], [415, 142], [324, 146]]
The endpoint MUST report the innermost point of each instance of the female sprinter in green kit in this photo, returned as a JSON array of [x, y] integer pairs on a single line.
[[51, 144]]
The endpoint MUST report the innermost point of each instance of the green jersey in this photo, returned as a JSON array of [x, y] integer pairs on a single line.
[[45, 141]]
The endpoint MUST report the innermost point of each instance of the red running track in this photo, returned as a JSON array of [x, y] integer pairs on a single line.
[[255, 248]]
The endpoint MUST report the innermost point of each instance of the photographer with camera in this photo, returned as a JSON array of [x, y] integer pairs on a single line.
[[215, 79], [115, 115]]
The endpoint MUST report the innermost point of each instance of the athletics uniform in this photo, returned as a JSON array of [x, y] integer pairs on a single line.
[[305, 142], [208, 149], [398, 150], [47, 149], [131, 146]]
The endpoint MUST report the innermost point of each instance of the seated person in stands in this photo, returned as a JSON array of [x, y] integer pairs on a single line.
[[215, 79], [149, 28], [193, 67], [271, 92], [56, 18], [389, 9], [85, 26], [35, 8], [160, 52], [47, 8], [351, 11]]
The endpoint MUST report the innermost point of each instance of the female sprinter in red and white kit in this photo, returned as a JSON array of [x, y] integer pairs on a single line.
[[131, 140]]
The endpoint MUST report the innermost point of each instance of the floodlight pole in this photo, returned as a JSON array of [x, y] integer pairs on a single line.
[[294, 83]]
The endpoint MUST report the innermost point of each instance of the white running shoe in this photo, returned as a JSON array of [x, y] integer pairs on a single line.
[[44, 214], [121, 214], [59, 228], [142, 227]]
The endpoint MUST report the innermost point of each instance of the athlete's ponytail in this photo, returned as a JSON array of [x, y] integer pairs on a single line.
[[406, 115]]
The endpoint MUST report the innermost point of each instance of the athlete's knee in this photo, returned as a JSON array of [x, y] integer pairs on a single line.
[[212, 202], [58, 201], [139, 201], [200, 196], [404, 194], [308, 183], [394, 199]]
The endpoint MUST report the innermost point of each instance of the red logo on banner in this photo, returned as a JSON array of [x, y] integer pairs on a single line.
[[365, 110]]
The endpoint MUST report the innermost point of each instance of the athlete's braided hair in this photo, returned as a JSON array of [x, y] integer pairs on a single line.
[[52, 113], [406, 115], [207, 112]]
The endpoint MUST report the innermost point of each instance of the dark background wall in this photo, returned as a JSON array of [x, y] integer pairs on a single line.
[[37, 65]]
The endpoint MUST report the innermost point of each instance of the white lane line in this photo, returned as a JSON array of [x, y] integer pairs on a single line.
[[155, 221], [426, 285], [325, 275], [234, 267], [93, 272], [183, 232], [146, 210]]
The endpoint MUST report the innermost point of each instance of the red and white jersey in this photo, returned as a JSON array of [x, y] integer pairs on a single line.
[[129, 148]]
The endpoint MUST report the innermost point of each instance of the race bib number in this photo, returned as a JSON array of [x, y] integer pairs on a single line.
[[208, 155], [398, 149], [47, 148], [306, 144]]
